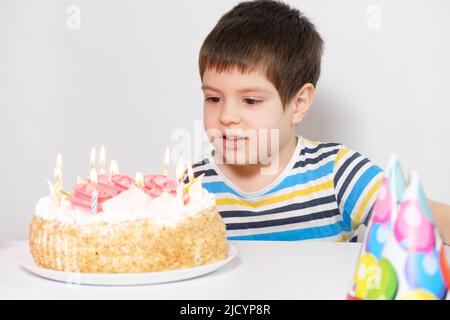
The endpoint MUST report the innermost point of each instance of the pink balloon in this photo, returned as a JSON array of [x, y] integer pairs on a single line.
[[382, 209], [412, 229]]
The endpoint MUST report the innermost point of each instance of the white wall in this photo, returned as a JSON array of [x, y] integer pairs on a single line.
[[128, 78]]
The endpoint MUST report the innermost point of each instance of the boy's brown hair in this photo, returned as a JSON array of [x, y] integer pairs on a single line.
[[269, 35]]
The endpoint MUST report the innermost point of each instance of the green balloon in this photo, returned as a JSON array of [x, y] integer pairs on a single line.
[[385, 283]]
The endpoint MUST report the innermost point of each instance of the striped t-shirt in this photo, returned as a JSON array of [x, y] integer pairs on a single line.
[[325, 192]]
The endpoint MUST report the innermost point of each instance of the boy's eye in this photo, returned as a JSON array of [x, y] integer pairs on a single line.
[[213, 99], [252, 101]]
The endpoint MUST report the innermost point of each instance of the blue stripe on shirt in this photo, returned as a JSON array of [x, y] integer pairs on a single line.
[[290, 181], [356, 192], [295, 235]]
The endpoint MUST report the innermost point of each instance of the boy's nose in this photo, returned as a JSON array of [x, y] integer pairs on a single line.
[[229, 115]]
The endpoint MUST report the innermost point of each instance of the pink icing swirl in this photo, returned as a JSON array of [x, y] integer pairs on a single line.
[[154, 186], [82, 195]]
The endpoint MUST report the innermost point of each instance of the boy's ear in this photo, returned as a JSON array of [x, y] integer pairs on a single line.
[[302, 102]]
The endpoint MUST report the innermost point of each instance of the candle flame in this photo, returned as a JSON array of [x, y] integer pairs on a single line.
[[93, 176], [113, 168], [139, 181], [59, 160], [102, 156], [92, 158]]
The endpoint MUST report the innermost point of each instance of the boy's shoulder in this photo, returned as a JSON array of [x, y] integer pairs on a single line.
[[315, 151], [341, 153], [313, 147]]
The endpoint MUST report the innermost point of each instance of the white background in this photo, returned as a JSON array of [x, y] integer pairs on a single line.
[[129, 77]]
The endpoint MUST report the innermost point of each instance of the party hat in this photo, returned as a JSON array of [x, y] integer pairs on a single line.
[[403, 256]]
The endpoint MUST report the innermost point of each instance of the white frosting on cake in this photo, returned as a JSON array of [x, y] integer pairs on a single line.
[[130, 205]]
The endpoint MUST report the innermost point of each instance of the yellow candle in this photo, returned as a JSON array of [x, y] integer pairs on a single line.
[[57, 187]]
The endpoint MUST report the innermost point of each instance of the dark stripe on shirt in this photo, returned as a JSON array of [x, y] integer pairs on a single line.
[[318, 147], [286, 221], [303, 163], [208, 172], [344, 166], [290, 207], [350, 178], [199, 164]]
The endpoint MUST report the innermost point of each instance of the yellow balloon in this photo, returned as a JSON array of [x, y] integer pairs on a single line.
[[366, 273], [418, 294]]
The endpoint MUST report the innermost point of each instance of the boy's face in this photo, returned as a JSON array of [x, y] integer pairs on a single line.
[[244, 116]]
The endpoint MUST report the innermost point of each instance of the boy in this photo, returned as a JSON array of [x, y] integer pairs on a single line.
[[259, 67]]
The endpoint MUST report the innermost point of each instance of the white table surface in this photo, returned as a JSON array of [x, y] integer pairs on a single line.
[[262, 270]]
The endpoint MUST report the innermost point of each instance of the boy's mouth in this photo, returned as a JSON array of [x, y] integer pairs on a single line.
[[233, 142]]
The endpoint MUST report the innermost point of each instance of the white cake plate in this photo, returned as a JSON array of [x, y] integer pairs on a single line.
[[124, 279]]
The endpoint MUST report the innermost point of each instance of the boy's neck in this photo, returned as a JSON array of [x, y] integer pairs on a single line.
[[249, 177]]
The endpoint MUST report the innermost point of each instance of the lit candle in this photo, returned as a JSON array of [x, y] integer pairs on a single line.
[[180, 175], [113, 168], [102, 160], [139, 180], [166, 162], [92, 158], [59, 160], [194, 187], [93, 176], [57, 187]]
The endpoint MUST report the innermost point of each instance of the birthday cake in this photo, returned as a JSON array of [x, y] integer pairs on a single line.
[[112, 223]]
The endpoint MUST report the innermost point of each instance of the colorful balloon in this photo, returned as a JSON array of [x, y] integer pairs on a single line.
[[412, 230], [386, 285], [382, 209], [376, 239], [423, 271], [367, 270]]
